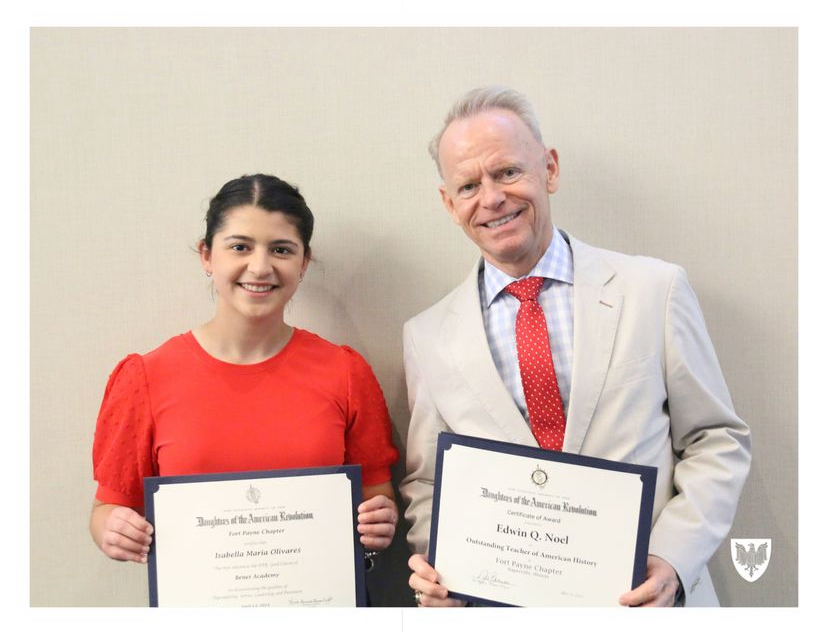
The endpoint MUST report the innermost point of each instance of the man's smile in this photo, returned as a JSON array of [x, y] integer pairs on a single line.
[[503, 220]]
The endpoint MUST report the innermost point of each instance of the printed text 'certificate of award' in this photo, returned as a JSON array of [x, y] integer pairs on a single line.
[[516, 525], [256, 539]]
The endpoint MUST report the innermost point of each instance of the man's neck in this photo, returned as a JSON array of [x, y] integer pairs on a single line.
[[523, 266]]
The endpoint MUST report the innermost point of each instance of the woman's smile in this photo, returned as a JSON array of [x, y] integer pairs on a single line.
[[258, 288]]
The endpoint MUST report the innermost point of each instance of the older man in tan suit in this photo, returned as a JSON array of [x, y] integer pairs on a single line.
[[632, 368]]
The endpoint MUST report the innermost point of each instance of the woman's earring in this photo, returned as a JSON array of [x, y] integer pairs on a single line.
[[209, 274]]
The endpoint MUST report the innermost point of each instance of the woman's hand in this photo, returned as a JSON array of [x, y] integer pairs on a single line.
[[424, 580], [377, 517], [120, 532]]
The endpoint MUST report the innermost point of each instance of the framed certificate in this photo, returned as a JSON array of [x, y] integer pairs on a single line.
[[256, 539], [522, 526]]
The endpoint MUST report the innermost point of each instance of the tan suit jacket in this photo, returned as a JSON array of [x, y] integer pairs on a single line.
[[646, 389]]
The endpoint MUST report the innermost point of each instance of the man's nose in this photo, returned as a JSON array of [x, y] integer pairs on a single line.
[[491, 195]]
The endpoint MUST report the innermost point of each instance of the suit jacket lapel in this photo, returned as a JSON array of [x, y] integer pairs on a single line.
[[465, 336], [596, 313]]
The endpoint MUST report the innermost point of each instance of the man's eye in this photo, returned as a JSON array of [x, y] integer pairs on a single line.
[[510, 172], [468, 188]]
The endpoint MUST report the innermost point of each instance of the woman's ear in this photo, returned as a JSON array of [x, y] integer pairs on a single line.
[[204, 256]]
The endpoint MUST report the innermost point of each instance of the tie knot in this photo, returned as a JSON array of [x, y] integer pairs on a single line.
[[526, 289]]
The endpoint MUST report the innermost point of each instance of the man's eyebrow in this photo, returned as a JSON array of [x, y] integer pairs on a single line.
[[462, 177], [506, 162]]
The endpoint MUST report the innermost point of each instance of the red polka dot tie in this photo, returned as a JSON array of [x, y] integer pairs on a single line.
[[537, 370]]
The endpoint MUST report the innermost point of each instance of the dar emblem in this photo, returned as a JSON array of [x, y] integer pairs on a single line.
[[539, 476], [750, 556], [253, 495]]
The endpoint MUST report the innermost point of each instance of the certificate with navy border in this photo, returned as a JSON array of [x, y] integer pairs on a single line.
[[274, 538], [515, 525]]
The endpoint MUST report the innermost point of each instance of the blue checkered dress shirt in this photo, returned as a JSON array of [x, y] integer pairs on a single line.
[[500, 311]]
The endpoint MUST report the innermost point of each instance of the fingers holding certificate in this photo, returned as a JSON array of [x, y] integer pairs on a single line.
[[256, 539], [515, 525]]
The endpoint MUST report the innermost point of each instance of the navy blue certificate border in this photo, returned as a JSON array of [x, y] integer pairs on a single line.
[[648, 474], [353, 472]]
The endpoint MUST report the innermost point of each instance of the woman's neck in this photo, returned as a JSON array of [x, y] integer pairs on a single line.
[[245, 342]]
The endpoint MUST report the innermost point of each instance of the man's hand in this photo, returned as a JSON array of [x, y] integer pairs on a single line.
[[659, 588], [424, 581]]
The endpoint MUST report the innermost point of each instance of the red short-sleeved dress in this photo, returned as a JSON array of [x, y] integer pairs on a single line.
[[177, 410]]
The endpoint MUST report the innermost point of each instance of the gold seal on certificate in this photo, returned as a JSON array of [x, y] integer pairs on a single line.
[[516, 525], [256, 539]]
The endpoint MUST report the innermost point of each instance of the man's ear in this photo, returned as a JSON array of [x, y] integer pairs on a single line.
[[449, 204], [553, 171]]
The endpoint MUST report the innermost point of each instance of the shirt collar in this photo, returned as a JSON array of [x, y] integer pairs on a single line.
[[555, 264]]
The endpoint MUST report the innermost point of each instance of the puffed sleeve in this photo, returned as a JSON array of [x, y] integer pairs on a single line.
[[368, 431], [122, 453]]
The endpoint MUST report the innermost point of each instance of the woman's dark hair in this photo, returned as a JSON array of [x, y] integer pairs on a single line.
[[268, 193]]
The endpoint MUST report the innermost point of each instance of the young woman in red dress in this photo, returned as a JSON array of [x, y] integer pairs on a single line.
[[243, 391]]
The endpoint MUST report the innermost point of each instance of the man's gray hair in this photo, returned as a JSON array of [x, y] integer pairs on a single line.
[[480, 100]]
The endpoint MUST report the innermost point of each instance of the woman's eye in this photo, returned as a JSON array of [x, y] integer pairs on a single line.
[[238, 247]]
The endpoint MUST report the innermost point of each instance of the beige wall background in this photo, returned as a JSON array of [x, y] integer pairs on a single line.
[[675, 143]]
